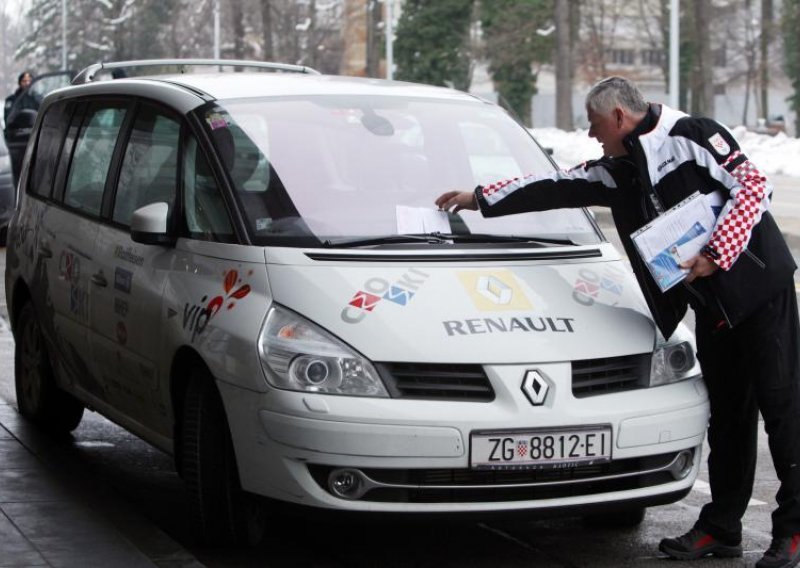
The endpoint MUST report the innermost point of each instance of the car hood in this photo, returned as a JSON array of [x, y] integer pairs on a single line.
[[469, 314]]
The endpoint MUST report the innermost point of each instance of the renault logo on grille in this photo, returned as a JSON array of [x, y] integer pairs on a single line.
[[535, 387]]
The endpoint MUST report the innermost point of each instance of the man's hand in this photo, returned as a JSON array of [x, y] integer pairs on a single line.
[[458, 200], [700, 267]]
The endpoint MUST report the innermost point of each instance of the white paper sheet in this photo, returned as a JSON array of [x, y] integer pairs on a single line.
[[421, 220], [675, 237]]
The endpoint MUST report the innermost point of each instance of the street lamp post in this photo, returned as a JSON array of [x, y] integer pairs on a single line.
[[216, 29], [674, 52]]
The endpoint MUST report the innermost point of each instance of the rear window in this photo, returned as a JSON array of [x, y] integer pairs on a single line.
[[48, 148]]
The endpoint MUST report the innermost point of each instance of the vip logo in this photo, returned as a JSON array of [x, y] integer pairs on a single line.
[[494, 290], [535, 387], [196, 317]]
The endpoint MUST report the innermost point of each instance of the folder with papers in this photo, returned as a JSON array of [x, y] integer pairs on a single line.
[[674, 237]]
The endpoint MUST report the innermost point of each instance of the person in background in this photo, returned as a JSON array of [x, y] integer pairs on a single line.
[[740, 286], [21, 97]]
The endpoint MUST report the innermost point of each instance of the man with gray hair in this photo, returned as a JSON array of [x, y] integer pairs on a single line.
[[740, 287]]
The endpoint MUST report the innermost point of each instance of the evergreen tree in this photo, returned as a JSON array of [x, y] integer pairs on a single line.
[[791, 43], [513, 46], [432, 44]]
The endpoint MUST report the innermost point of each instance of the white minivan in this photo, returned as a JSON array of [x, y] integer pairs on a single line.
[[247, 271]]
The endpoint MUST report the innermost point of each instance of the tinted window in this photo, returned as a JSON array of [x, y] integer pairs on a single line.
[[150, 165], [206, 215], [51, 137], [91, 158]]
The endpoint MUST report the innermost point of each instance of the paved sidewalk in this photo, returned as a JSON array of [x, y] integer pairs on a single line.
[[53, 512]]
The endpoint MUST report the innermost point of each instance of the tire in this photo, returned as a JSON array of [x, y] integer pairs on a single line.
[[38, 397], [223, 514], [622, 519]]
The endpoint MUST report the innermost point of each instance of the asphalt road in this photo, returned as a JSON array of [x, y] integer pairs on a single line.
[[142, 479]]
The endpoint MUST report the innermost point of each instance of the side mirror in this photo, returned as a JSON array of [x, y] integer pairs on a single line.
[[149, 225], [22, 119]]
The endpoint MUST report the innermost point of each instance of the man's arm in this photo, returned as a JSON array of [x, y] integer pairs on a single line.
[[585, 185], [748, 188]]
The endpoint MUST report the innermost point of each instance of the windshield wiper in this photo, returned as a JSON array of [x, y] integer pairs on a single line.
[[442, 238], [431, 238], [488, 238]]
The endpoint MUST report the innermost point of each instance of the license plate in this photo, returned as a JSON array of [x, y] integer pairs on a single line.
[[540, 449]]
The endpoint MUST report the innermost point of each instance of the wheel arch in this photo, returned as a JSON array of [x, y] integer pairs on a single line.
[[184, 360]]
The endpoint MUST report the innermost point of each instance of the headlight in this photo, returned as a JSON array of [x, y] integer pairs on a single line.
[[300, 356], [5, 163], [673, 362]]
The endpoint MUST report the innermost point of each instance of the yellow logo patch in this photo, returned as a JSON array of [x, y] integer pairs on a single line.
[[494, 290]]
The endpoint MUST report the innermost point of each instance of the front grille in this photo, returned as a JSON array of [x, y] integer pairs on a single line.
[[429, 381], [472, 486], [606, 375]]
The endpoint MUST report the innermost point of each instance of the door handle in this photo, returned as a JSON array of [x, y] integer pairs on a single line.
[[99, 279]]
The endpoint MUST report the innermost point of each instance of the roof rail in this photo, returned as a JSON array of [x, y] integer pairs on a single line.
[[88, 74]]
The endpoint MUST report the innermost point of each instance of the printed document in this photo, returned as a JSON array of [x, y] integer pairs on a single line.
[[674, 237], [415, 220]]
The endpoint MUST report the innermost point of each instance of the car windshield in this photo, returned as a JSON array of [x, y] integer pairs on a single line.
[[346, 169]]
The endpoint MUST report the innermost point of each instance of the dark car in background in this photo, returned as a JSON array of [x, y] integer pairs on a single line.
[[8, 193], [21, 116]]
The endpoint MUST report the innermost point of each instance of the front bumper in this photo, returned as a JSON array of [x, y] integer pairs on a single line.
[[414, 455]]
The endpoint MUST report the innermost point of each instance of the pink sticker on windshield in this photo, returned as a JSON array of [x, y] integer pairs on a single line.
[[216, 121]]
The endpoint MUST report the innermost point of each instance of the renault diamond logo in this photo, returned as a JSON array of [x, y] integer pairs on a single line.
[[494, 290], [535, 387]]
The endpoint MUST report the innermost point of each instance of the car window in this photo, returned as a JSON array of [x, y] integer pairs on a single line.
[[51, 137], [149, 172], [92, 157], [206, 215]]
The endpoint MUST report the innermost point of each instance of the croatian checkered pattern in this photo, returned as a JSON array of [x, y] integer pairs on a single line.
[[732, 233], [493, 188]]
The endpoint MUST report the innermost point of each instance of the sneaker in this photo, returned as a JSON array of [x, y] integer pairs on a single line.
[[782, 553], [697, 544]]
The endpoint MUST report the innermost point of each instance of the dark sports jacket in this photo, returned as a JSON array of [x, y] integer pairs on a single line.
[[671, 156]]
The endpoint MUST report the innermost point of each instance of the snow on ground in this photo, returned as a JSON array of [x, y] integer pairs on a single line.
[[775, 155]]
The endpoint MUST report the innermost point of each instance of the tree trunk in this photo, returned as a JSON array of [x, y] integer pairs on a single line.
[[563, 65], [374, 19], [237, 15], [703, 76], [766, 39], [266, 29]]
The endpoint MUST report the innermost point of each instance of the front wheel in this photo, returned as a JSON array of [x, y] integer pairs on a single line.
[[38, 397], [223, 513]]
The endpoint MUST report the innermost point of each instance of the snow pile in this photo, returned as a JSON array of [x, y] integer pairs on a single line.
[[774, 155]]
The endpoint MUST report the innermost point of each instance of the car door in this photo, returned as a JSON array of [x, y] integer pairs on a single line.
[[126, 301], [69, 232]]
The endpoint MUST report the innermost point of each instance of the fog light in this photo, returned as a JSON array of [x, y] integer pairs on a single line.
[[682, 465], [347, 483]]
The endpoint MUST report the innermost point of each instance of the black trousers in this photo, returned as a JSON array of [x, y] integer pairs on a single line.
[[752, 367]]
